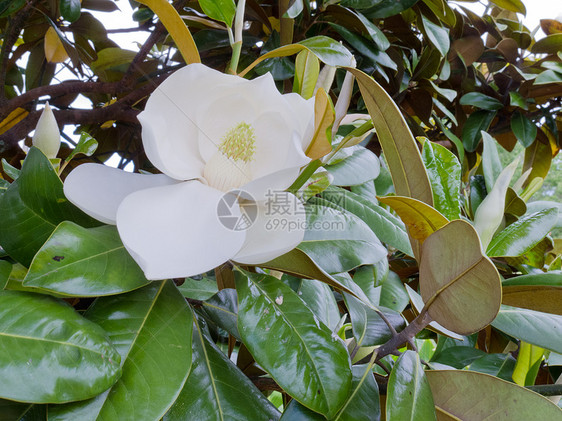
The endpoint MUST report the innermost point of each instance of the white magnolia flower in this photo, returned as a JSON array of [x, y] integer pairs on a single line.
[[208, 133], [47, 134]]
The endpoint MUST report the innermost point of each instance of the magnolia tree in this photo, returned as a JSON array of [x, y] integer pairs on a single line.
[[318, 225]]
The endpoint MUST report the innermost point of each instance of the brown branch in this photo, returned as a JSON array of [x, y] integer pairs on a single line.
[[9, 40]]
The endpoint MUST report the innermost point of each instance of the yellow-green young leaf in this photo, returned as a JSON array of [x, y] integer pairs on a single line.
[[468, 395], [461, 287], [54, 49], [489, 214], [176, 27], [543, 298], [307, 68], [528, 363], [323, 119], [12, 119], [328, 50], [511, 5], [422, 220], [399, 146], [538, 158]]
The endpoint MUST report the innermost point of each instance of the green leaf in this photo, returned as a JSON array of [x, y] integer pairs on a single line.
[[393, 293], [199, 289], [369, 329], [408, 393], [523, 129], [437, 35], [545, 204], [86, 145], [10, 411], [462, 394], [10, 170], [222, 310], [547, 279], [285, 338], [307, 69], [479, 100], [221, 10], [528, 363], [550, 44], [444, 172], [399, 146], [217, 390], [50, 353], [525, 233], [370, 279], [388, 228], [363, 402], [475, 124], [358, 168], [296, 411], [530, 326], [295, 9], [33, 206], [491, 164], [386, 8], [152, 330], [548, 76], [70, 9], [498, 365], [463, 295], [339, 241], [375, 33], [319, 298], [83, 262], [8, 7]]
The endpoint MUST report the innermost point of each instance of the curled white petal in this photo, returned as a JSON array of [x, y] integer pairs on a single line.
[[174, 231], [279, 227], [99, 190], [47, 133]]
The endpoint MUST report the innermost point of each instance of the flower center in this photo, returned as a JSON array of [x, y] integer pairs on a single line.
[[229, 168]]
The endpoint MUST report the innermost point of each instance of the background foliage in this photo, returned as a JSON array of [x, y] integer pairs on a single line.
[[462, 313]]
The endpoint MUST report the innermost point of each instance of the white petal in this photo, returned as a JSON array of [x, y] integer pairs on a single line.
[[262, 188], [174, 231], [303, 113], [279, 228], [170, 132], [99, 190], [47, 134]]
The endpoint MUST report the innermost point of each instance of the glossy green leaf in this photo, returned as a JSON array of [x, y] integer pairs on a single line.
[[547, 279], [222, 310], [478, 100], [468, 395], [200, 288], [476, 123], [319, 297], [491, 164], [399, 146], [387, 8], [444, 172], [463, 295], [152, 331], [217, 390], [50, 353], [521, 236], [361, 166], [437, 35], [285, 338], [221, 10], [33, 206], [388, 228], [295, 9], [369, 328], [523, 128], [393, 293], [370, 279], [84, 262], [70, 9], [517, 100], [16, 411], [548, 76], [86, 145], [8, 7], [530, 326], [408, 393], [458, 356], [298, 263], [498, 365], [296, 411], [339, 241], [374, 32], [539, 205], [10, 170], [363, 402], [489, 214]]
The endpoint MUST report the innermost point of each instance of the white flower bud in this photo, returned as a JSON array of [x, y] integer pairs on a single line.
[[47, 134]]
